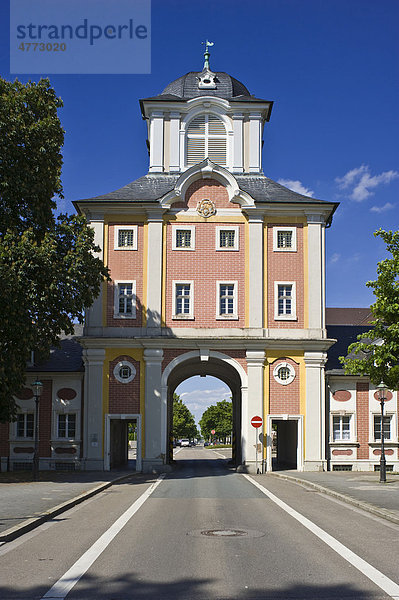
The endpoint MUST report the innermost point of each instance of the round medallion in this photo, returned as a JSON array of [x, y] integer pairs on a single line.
[[124, 372], [284, 373], [206, 208]]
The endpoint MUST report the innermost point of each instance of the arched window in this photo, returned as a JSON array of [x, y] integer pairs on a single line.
[[206, 138]]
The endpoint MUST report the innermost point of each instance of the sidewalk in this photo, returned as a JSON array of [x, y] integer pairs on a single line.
[[26, 504], [361, 489]]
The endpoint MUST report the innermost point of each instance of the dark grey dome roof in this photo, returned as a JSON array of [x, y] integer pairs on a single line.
[[187, 87]]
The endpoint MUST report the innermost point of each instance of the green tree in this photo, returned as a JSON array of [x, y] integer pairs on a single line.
[[48, 269], [218, 417], [376, 353], [183, 420]]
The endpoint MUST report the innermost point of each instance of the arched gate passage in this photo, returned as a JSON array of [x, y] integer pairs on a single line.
[[214, 364]]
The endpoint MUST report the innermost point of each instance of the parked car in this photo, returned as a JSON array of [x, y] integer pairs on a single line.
[[206, 444], [185, 443]]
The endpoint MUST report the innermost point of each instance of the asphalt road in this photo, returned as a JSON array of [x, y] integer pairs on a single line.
[[205, 532]]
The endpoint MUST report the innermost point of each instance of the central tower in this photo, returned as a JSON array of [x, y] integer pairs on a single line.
[[205, 115], [216, 269]]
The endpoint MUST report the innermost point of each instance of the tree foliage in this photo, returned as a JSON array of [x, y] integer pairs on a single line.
[[183, 420], [48, 269], [218, 417], [376, 353]]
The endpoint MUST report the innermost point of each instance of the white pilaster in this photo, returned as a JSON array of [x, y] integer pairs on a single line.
[[174, 159], [251, 408], [153, 459], [255, 292], [238, 143], [315, 458], [93, 314], [255, 142], [316, 269], [93, 408], [156, 142], [154, 275]]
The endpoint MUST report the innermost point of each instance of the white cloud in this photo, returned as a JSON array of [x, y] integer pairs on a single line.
[[296, 186], [198, 400], [335, 258], [380, 209], [362, 183]]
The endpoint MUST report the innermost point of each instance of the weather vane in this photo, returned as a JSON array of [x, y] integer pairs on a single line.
[[206, 53]]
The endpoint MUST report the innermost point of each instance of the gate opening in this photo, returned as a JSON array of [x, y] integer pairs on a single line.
[[122, 442], [284, 444], [215, 368]]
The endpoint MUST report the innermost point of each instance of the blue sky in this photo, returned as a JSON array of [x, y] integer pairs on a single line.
[[331, 67]]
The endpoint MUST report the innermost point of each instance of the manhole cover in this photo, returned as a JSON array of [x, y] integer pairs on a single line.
[[227, 533], [224, 533]]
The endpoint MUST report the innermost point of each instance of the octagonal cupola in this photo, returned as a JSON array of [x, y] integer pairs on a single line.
[[205, 115]]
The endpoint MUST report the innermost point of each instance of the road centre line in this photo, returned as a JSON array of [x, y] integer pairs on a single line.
[[382, 581], [64, 585]]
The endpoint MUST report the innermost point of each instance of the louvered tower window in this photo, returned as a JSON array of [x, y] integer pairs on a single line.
[[206, 138]]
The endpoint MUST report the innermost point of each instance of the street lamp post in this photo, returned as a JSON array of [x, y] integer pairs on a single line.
[[382, 391], [37, 392]]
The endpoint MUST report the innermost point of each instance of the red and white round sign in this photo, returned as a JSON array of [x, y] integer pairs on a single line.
[[213, 432], [256, 422]]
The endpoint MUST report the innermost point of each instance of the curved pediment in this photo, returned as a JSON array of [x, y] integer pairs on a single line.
[[207, 170]]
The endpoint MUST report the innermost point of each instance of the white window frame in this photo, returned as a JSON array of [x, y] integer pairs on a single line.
[[175, 229], [25, 437], [117, 314], [236, 230], [57, 425], [392, 428], [291, 370], [341, 415], [190, 314], [286, 317], [293, 247], [234, 315], [118, 367], [206, 136], [119, 228]]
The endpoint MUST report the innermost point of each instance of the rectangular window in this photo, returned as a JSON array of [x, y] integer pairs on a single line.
[[341, 428], [125, 299], [183, 237], [183, 299], [284, 239], [125, 237], [227, 238], [227, 300], [66, 425], [25, 425], [284, 300], [386, 428]]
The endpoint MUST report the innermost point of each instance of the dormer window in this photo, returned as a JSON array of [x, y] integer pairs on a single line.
[[207, 80], [206, 138]]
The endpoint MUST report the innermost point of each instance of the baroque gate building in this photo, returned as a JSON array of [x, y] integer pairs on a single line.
[[216, 270]]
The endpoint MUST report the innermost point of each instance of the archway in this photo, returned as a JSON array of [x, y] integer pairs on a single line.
[[210, 363]]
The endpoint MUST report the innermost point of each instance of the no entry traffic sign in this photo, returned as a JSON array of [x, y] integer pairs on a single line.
[[256, 422]]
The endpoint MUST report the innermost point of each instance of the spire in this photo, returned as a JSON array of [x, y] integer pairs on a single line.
[[207, 54]]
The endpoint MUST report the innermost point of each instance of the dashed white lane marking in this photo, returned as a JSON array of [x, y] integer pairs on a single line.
[[387, 585], [64, 585]]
